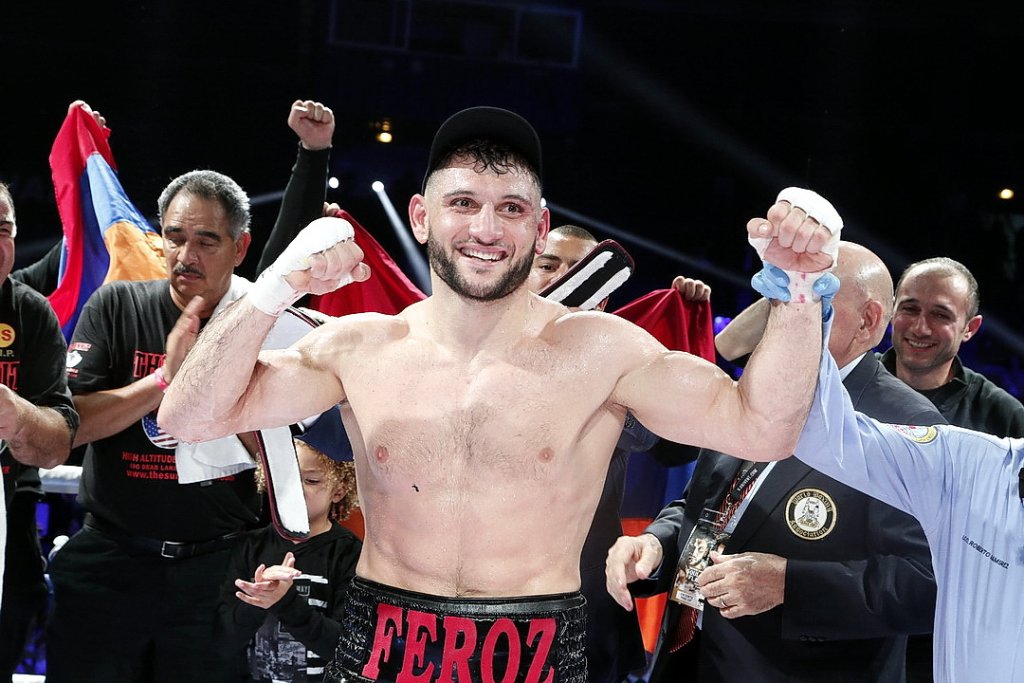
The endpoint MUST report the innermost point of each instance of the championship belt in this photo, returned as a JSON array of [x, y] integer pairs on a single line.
[[276, 451], [593, 278]]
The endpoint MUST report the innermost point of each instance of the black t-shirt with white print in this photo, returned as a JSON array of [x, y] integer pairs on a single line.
[[129, 479]]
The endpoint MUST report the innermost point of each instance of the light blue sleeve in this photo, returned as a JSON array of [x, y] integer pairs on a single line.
[[906, 467]]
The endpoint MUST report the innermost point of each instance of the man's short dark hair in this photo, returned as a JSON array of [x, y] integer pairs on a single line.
[[570, 230], [950, 267], [211, 185]]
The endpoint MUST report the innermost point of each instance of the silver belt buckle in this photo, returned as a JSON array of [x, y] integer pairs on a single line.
[[164, 552]]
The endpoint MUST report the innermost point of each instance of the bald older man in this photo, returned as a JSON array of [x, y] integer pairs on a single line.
[[816, 581]]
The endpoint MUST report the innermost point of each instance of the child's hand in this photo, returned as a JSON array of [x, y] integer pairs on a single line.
[[269, 584]]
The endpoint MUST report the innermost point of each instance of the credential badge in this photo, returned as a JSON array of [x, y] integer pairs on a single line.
[[811, 514]]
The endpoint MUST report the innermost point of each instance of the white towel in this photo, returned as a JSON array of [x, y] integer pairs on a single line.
[[226, 456]]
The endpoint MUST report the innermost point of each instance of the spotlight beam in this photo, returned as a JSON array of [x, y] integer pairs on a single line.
[[413, 255]]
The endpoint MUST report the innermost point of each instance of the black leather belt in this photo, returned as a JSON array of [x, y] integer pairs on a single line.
[[175, 550]]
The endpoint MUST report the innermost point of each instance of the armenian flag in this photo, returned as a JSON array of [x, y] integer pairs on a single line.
[[105, 237]]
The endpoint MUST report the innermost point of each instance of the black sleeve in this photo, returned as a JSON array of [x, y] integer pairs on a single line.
[[41, 275], [667, 528], [303, 202], [41, 379], [45, 383], [91, 356], [670, 454], [315, 629]]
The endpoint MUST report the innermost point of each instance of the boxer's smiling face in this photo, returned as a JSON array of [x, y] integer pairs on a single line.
[[482, 230], [201, 255]]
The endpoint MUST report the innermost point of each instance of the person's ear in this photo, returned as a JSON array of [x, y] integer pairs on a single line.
[[871, 316], [543, 230], [242, 247], [418, 218], [973, 325]]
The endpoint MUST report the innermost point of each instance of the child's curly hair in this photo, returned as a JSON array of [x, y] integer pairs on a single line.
[[338, 473]]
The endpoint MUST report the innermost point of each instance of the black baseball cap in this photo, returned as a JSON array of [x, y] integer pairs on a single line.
[[327, 435], [492, 123]]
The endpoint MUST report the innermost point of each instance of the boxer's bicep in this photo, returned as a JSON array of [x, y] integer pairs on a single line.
[[289, 385], [680, 397]]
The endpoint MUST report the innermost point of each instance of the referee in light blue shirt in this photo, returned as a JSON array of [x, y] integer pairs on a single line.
[[967, 491]]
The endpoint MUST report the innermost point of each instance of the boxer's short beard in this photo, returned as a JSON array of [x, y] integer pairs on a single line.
[[444, 266]]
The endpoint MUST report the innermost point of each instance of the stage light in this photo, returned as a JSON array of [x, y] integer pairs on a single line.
[[384, 131], [377, 186], [333, 183], [1006, 193]]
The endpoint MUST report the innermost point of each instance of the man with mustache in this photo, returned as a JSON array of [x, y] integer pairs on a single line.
[[483, 418], [136, 588]]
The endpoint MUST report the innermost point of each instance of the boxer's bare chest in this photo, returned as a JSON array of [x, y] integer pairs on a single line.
[[418, 407]]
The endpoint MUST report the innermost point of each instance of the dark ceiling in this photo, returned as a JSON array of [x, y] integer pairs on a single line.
[[673, 121]]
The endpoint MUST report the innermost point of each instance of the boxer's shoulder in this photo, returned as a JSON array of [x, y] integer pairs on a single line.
[[359, 331]]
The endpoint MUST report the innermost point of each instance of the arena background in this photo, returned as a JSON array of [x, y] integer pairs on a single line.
[[666, 124]]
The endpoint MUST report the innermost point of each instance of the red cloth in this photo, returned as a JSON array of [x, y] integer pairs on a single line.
[[387, 291], [680, 325]]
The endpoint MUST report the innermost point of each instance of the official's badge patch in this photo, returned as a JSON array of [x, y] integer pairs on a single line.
[[917, 434], [811, 514]]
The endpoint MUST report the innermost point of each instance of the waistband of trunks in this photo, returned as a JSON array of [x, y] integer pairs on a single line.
[[530, 606], [391, 634]]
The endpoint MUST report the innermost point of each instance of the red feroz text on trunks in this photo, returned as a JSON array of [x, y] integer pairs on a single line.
[[462, 641]]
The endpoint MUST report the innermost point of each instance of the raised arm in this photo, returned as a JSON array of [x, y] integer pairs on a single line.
[[688, 400], [225, 386], [742, 334], [303, 200], [907, 467]]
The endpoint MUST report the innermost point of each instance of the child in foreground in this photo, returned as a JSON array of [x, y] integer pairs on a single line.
[[281, 625]]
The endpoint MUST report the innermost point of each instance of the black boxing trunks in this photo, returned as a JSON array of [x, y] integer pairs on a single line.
[[390, 635]]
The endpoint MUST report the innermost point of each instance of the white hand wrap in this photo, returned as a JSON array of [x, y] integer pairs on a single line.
[[821, 210], [271, 292]]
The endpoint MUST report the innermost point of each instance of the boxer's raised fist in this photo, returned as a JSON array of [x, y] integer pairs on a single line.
[[800, 236], [321, 258]]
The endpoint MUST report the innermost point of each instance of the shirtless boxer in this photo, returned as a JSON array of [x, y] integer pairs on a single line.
[[478, 487]]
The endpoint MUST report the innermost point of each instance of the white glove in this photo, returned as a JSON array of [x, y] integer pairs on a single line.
[[271, 292], [801, 285]]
